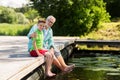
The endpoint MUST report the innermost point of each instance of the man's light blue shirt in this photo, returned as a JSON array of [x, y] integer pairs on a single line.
[[48, 38]]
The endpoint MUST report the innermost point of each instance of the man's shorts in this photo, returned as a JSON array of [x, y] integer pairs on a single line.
[[57, 52], [34, 54]]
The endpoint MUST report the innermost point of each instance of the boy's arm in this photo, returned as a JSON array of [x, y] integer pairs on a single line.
[[36, 49]]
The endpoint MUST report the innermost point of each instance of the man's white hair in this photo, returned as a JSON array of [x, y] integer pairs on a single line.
[[49, 17]]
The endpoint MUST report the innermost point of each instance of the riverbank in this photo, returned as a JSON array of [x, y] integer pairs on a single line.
[[107, 31]]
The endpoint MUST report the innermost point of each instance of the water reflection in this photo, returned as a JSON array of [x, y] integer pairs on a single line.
[[102, 67]]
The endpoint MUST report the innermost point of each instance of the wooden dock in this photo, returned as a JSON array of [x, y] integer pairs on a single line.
[[15, 61], [114, 43]]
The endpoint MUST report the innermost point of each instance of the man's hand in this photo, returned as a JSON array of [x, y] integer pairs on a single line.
[[33, 35]]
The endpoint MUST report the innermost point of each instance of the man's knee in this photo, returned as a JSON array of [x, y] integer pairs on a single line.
[[57, 54]]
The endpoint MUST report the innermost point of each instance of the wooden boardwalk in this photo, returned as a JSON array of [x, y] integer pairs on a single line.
[[15, 61]]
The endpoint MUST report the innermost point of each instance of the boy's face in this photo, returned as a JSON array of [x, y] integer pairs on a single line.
[[41, 26]]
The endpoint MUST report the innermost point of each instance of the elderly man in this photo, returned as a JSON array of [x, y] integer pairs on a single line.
[[49, 44]]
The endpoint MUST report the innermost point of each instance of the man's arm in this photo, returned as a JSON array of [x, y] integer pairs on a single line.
[[32, 30], [51, 41]]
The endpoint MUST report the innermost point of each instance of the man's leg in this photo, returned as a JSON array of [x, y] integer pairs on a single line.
[[60, 58], [55, 60], [61, 61], [57, 63], [65, 67]]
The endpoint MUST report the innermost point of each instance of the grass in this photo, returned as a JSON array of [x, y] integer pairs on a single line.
[[105, 47], [107, 31], [14, 29]]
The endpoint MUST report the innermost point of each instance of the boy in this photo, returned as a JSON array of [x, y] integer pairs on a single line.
[[37, 48]]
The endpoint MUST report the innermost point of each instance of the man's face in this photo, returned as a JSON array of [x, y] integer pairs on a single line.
[[50, 22]]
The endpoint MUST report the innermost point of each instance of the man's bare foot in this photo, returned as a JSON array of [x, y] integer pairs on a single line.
[[69, 68]]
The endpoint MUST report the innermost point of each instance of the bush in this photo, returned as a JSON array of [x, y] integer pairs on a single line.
[[8, 15], [21, 19]]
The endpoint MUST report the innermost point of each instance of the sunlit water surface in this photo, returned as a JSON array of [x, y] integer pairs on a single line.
[[101, 67]]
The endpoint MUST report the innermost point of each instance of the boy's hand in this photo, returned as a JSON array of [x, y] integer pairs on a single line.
[[52, 51], [40, 55]]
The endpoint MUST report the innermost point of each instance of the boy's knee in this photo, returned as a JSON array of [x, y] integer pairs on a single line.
[[48, 55]]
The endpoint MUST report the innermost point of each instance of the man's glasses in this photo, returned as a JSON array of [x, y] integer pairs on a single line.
[[50, 22]]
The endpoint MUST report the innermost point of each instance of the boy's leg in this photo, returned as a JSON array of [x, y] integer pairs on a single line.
[[49, 60]]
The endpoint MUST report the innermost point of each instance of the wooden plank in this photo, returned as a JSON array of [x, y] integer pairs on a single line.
[[99, 42], [14, 69], [27, 69]]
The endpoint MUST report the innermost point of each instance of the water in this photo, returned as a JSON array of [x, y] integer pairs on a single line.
[[101, 67]]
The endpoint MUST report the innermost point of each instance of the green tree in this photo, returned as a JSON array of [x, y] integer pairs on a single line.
[[22, 9], [21, 19], [8, 15], [113, 7], [31, 14], [74, 17]]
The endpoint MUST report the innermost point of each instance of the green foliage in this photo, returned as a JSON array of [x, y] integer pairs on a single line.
[[113, 7], [105, 33], [8, 15], [31, 14], [14, 29], [21, 19], [22, 9], [74, 17]]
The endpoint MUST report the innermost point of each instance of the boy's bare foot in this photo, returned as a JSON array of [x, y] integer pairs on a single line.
[[50, 74]]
